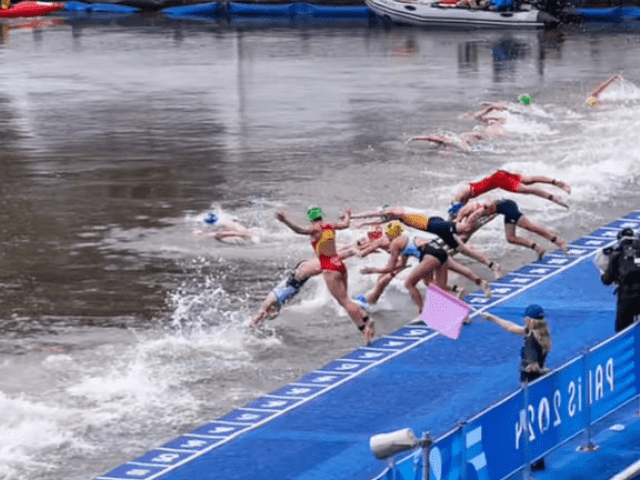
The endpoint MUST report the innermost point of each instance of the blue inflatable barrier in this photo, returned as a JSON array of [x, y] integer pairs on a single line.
[[614, 14], [325, 11], [97, 7], [284, 10], [202, 9], [272, 10]]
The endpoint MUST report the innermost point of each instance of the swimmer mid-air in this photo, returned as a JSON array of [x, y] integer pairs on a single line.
[[334, 271], [433, 260], [513, 218], [510, 182], [449, 232]]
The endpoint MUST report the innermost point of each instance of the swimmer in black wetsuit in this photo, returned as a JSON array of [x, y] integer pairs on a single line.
[[513, 218], [449, 232]]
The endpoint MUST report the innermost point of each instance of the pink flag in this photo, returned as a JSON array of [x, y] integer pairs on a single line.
[[443, 312]]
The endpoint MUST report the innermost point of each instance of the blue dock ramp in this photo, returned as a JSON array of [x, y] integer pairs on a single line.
[[319, 427]]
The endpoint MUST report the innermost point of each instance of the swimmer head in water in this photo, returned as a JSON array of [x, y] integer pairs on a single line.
[[211, 218]]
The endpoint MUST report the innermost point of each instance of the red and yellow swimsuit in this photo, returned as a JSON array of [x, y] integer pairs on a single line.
[[327, 242], [500, 179]]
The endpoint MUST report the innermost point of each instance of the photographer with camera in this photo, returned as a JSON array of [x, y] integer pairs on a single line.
[[620, 265]]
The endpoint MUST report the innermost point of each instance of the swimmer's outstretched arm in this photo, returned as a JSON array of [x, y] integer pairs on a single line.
[[442, 139], [489, 106], [302, 230], [346, 220], [369, 214], [600, 88]]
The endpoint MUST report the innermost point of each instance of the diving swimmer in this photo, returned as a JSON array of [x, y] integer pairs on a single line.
[[334, 271], [449, 232], [513, 218], [511, 182], [433, 259]]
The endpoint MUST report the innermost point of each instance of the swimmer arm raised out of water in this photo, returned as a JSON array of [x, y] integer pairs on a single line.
[[595, 93], [296, 227]]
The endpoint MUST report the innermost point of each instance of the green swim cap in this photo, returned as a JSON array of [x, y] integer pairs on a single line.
[[525, 98], [314, 213]]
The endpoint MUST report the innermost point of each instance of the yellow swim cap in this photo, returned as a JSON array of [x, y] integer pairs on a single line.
[[591, 101], [394, 229]]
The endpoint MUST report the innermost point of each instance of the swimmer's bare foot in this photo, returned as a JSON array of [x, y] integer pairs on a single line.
[[562, 185], [467, 321], [457, 291], [555, 199], [539, 250], [560, 244], [496, 269], [369, 331], [486, 289]]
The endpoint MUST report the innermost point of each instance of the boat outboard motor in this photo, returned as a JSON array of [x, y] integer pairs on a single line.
[[547, 19]]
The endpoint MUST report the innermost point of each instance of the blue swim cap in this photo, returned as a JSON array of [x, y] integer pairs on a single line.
[[211, 218], [455, 208], [534, 311]]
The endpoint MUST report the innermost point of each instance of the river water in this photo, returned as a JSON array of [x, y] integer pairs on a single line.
[[120, 329]]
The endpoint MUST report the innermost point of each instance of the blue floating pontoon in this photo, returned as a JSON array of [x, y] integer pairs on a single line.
[[98, 7], [614, 14], [201, 9], [319, 427], [285, 10]]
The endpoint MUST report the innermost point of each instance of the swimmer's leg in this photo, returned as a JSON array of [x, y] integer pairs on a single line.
[[268, 305], [529, 179], [527, 224], [541, 193], [411, 283], [457, 267]]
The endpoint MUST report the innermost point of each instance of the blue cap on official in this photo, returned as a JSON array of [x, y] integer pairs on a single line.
[[534, 311]]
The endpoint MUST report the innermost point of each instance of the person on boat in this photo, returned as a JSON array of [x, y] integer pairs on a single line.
[[534, 351], [513, 218], [334, 271], [510, 182], [433, 260], [225, 230], [448, 232], [595, 93]]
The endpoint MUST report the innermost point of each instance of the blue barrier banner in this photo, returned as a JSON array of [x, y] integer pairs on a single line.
[[556, 410], [611, 374], [484, 448], [533, 421]]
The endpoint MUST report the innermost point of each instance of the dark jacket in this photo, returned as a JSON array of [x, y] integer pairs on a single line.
[[531, 353], [611, 273]]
